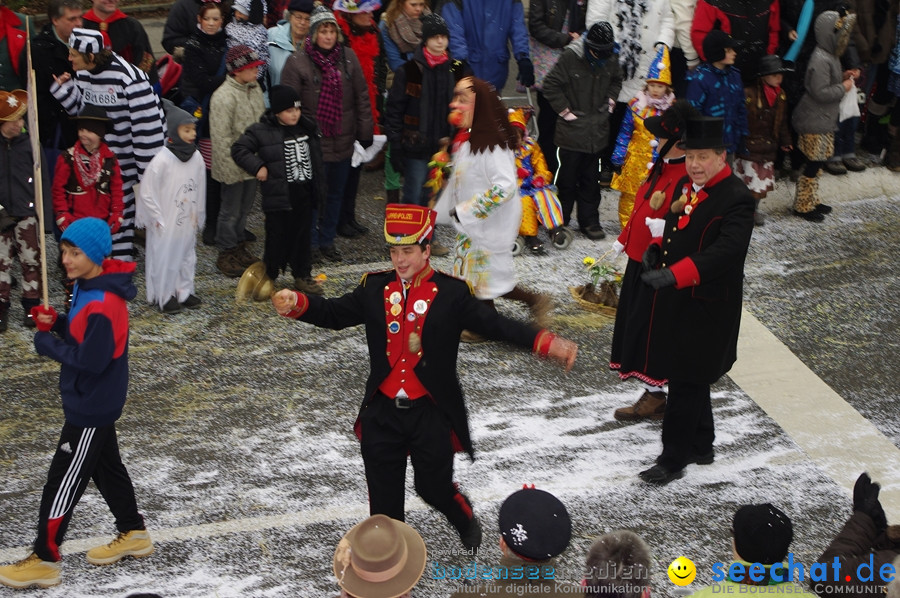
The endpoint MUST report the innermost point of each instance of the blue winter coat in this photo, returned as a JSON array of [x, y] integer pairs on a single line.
[[720, 93], [480, 33]]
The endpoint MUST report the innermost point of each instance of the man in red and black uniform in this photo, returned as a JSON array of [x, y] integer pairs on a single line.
[[122, 34], [697, 270], [413, 401]]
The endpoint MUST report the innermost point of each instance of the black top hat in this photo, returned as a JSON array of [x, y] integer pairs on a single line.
[[771, 65], [704, 132], [671, 123]]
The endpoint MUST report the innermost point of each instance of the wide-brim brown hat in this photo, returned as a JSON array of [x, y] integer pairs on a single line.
[[13, 104], [705, 132], [379, 558], [771, 65]]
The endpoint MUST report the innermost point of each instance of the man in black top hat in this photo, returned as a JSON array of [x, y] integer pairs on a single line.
[[697, 269]]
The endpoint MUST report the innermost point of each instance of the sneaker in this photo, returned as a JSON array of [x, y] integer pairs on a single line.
[[192, 302], [650, 405], [308, 286], [835, 167], [30, 571], [135, 543], [171, 307], [594, 232], [854, 164], [331, 254]]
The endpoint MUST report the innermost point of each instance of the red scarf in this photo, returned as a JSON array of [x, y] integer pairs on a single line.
[[104, 24], [433, 60], [771, 93]]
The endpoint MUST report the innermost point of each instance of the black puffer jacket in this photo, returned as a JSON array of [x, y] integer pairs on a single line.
[[17, 176], [547, 17], [262, 144], [204, 64], [418, 104], [182, 22]]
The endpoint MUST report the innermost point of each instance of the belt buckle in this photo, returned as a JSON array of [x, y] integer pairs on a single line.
[[402, 402]]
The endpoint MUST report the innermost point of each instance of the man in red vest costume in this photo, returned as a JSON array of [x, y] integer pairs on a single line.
[[122, 34], [413, 402]]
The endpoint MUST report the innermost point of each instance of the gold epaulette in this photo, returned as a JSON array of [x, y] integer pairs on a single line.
[[362, 281]]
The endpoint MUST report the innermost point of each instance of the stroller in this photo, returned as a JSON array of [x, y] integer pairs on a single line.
[[540, 204]]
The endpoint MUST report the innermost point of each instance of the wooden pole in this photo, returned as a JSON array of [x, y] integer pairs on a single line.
[[36, 154]]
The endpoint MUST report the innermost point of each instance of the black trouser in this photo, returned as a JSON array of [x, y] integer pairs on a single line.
[[289, 233], [687, 425], [546, 122], [578, 185], [348, 204], [388, 434], [84, 454]]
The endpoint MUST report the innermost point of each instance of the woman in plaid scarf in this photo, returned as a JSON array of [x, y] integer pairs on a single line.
[[331, 85]]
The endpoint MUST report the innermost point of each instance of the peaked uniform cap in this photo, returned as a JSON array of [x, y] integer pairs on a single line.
[[408, 224]]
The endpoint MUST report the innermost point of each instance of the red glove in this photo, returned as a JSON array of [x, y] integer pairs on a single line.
[[115, 225], [39, 310], [538, 182], [63, 220], [522, 173]]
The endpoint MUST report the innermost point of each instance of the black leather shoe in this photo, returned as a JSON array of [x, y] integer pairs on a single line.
[[331, 254], [835, 167], [471, 538], [594, 232], [823, 209], [172, 306], [704, 459], [660, 475], [813, 216], [359, 227], [248, 236], [346, 230]]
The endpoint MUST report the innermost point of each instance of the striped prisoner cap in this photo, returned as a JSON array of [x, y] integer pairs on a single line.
[[86, 41]]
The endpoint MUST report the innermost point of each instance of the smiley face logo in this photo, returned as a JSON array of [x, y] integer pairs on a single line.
[[682, 571]]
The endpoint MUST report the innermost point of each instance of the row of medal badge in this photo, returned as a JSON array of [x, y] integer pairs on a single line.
[[419, 307]]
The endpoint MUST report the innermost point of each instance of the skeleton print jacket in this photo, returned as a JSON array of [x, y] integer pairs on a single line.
[[290, 154]]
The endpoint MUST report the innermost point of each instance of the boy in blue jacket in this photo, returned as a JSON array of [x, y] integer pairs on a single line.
[[92, 346]]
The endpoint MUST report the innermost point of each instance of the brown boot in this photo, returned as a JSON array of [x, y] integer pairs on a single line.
[[651, 405], [228, 264]]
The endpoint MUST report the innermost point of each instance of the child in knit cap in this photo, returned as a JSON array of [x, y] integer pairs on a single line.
[[247, 28], [234, 106], [172, 207], [284, 153], [18, 219], [91, 344]]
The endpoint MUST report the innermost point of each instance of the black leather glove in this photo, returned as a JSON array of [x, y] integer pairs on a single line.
[[6, 221], [396, 159], [365, 143], [865, 500], [659, 278], [526, 71], [652, 256]]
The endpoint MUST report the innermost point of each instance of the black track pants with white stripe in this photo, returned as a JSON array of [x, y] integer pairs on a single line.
[[81, 455]]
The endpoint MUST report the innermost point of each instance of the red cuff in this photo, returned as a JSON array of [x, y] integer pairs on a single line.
[[686, 274], [300, 308], [542, 343]]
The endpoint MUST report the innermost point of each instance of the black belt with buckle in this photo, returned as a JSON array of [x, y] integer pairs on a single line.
[[406, 402]]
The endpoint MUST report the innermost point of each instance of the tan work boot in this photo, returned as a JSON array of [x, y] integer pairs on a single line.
[[134, 543], [651, 405], [30, 571]]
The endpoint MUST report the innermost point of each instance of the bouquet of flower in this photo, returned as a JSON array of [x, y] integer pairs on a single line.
[[602, 292]]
